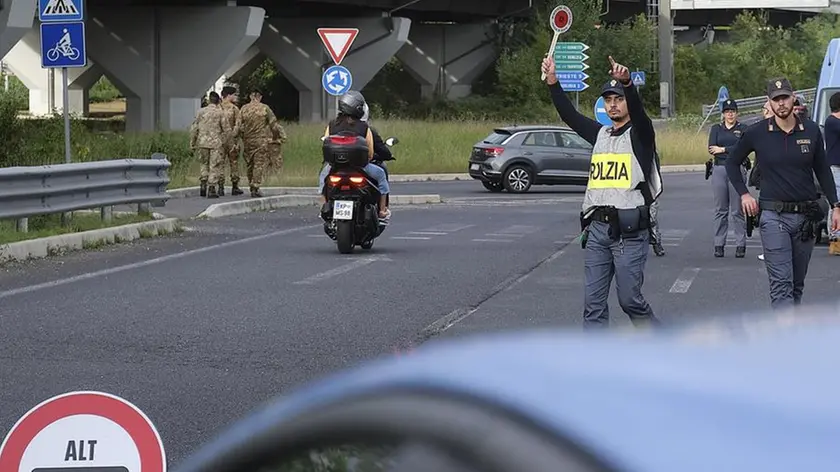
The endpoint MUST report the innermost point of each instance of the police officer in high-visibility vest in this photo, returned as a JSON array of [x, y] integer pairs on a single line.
[[624, 180], [789, 151]]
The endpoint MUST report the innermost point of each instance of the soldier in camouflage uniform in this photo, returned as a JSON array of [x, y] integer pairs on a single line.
[[259, 128], [206, 135], [230, 152]]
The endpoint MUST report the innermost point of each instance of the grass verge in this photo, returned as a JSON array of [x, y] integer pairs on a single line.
[[50, 225], [425, 147]]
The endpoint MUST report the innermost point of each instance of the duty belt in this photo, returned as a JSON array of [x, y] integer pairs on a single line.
[[786, 207], [604, 214]]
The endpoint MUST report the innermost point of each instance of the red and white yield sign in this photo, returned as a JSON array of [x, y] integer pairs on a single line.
[[83, 431], [338, 41], [561, 19]]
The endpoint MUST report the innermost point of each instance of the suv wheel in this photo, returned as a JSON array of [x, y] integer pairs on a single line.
[[492, 186], [518, 179]]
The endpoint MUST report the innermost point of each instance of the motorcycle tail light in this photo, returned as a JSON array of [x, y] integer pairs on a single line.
[[357, 180], [335, 180]]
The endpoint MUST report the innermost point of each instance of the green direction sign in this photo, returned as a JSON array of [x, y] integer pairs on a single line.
[[570, 47], [569, 57], [567, 66]]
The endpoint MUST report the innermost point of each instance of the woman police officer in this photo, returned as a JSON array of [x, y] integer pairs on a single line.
[[722, 139]]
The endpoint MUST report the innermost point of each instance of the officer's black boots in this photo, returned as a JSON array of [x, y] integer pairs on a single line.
[[203, 189], [211, 192], [740, 251], [718, 251]]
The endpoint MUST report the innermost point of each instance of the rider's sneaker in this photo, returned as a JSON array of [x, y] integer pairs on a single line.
[[384, 220]]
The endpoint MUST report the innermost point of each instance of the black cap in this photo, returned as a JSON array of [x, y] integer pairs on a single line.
[[613, 86], [729, 104], [779, 87]]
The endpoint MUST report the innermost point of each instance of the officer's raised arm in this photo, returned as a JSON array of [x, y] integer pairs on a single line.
[[584, 126], [636, 109]]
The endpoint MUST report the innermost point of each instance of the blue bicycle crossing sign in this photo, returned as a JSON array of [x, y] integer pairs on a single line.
[[63, 45]]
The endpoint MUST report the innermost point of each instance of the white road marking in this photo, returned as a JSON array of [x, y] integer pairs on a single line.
[[428, 233], [418, 238], [684, 281], [341, 270], [492, 240], [156, 260], [448, 228]]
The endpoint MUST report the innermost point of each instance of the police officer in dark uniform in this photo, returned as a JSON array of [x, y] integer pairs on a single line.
[[722, 139], [790, 152]]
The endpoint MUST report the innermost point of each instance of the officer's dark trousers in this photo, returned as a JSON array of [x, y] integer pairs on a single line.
[[786, 257], [624, 258]]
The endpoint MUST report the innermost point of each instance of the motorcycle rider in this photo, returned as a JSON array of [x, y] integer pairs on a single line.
[[351, 109]]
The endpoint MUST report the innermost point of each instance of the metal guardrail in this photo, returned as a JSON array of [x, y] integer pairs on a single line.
[[40, 190], [754, 104]]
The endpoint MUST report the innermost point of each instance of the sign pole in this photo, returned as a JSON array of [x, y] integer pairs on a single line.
[[65, 86]]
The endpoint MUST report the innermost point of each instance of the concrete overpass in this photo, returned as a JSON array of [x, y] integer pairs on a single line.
[[163, 54]]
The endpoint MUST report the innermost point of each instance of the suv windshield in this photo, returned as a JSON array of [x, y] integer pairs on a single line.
[[496, 138]]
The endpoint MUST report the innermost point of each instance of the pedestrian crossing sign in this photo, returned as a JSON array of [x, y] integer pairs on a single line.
[[60, 10]]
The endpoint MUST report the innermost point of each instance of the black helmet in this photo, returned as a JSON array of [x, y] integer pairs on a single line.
[[352, 104]]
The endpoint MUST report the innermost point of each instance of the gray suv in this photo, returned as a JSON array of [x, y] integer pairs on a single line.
[[514, 158]]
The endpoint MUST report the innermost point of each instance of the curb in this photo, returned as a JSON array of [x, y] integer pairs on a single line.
[[187, 192], [54, 245], [240, 207]]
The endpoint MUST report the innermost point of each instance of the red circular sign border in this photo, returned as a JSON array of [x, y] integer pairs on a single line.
[[129, 417], [553, 20]]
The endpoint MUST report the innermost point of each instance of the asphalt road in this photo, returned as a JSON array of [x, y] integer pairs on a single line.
[[236, 311]]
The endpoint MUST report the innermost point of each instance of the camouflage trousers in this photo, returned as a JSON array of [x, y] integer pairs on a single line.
[[212, 169], [230, 155], [257, 157]]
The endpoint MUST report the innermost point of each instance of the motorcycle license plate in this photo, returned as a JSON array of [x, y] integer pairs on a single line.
[[474, 167], [343, 210]]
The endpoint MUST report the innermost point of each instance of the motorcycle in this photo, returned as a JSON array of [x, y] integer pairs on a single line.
[[352, 195]]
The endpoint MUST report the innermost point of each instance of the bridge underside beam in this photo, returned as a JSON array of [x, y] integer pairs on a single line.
[[163, 59], [295, 47], [446, 59], [16, 19]]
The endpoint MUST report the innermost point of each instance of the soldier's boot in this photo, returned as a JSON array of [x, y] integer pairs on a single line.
[[221, 188], [203, 189], [255, 192], [234, 189], [211, 192], [718, 251]]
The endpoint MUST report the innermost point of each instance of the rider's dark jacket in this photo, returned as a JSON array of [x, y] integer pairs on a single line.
[[380, 150]]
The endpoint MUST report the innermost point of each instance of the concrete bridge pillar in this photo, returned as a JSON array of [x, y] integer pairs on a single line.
[[16, 19], [446, 59], [296, 49], [164, 58], [24, 59]]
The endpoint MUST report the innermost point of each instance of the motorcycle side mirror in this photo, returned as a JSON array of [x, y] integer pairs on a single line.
[[391, 141]]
